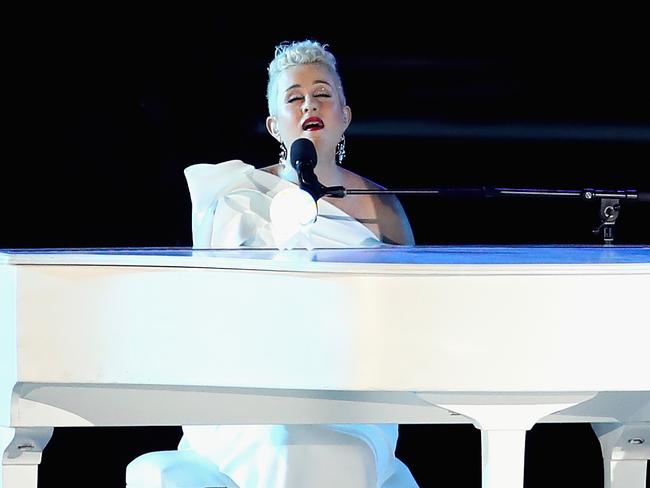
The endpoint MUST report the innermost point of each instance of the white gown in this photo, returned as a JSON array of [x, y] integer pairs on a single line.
[[231, 204], [230, 208]]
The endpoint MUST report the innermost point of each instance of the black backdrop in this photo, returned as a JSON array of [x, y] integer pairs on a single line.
[[105, 111]]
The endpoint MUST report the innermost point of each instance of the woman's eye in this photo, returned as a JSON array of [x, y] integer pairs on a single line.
[[293, 99], [323, 95]]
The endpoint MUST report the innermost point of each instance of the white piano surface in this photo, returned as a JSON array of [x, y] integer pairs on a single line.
[[391, 334]]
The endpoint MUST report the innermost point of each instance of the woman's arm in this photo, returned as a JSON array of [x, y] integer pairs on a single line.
[[393, 223]]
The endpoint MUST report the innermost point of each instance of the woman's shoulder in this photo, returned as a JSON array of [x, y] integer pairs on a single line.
[[227, 174], [353, 180], [391, 218], [233, 165], [208, 182]]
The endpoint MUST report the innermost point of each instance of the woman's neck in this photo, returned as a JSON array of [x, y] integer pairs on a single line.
[[328, 174]]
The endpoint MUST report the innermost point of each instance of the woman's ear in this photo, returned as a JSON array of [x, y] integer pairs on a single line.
[[347, 116], [272, 127]]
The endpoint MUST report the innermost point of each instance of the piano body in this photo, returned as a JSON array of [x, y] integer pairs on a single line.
[[502, 337]]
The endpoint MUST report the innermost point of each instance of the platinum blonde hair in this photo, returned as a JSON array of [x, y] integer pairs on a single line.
[[289, 54]]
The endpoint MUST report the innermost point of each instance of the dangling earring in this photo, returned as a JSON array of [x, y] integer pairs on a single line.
[[340, 151], [283, 154]]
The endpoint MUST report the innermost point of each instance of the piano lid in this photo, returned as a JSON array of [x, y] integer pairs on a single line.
[[378, 259]]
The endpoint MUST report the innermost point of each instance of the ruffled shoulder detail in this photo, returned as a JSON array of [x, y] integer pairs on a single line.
[[231, 208], [207, 183]]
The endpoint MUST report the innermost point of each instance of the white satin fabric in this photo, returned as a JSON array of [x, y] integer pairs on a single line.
[[230, 208], [231, 204]]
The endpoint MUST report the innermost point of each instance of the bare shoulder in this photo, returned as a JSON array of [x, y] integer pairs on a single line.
[[392, 221]]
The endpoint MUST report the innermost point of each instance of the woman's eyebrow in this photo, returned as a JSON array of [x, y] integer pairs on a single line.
[[316, 82]]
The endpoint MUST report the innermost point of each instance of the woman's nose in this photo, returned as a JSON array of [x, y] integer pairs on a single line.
[[310, 105]]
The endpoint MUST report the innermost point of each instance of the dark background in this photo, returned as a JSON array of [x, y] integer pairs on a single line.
[[104, 110]]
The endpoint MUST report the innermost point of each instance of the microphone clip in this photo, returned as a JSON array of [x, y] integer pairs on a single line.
[[609, 210]]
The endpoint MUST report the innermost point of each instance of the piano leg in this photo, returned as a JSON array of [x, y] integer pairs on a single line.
[[626, 450], [503, 420], [21, 454], [502, 456]]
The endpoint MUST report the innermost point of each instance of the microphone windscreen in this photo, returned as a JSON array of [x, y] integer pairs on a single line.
[[303, 150]]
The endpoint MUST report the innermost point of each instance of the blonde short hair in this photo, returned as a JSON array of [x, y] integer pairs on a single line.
[[289, 54]]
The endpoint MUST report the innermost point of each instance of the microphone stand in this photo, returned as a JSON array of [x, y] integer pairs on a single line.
[[609, 200]]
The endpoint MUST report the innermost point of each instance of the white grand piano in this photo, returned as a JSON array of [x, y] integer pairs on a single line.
[[502, 337]]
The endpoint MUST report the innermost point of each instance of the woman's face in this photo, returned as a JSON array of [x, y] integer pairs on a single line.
[[309, 106]]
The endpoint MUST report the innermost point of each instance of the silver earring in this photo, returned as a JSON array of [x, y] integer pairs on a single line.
[[340, 151], [283, 154]]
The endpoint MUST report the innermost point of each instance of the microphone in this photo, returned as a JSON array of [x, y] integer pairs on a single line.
[[304, 158], [292, 209]]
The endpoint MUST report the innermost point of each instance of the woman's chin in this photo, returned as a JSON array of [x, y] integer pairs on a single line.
[[319, 138]]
